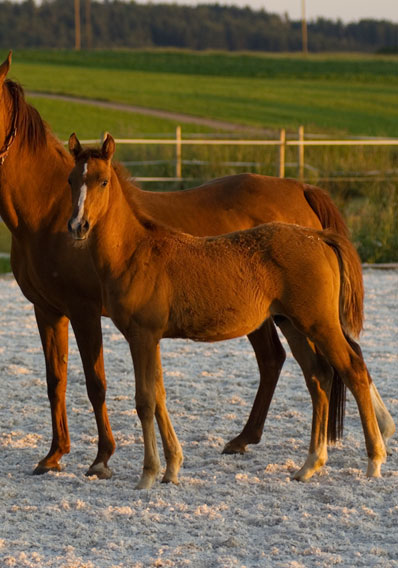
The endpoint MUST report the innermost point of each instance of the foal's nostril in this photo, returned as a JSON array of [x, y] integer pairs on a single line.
[[79, 229]]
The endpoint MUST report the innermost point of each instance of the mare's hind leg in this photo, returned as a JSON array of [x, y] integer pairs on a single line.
[[351, 368], [270, 358], [319, 377], [87, 328], [171, 445], [53, 330]]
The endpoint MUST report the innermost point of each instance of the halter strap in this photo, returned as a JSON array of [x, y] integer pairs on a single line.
[[11, 135]]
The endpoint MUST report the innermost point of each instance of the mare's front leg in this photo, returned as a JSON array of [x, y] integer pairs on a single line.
[[144, 346], [318, 375], [86, 323], [270, 357], [53, 329]]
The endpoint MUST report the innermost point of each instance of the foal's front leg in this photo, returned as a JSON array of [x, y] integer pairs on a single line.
[[171, 445], [143, 347]]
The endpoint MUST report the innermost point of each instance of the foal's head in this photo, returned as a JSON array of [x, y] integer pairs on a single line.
[[89, 181]]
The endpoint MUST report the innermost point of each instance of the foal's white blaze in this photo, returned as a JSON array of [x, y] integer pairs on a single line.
[[82, 198]]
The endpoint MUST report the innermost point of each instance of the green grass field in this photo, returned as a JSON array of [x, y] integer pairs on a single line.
[[336, 95], [351, 95]]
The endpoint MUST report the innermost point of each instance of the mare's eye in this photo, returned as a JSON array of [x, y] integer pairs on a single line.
[[69, 180], [104, 183]]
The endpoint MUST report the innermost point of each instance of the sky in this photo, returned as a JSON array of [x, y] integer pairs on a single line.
[[345, 10]]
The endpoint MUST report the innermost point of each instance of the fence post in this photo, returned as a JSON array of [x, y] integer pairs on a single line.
[[301, 153], [178, 153], [282, 151]]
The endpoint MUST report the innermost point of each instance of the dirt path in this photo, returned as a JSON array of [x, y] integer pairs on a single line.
[[168, 115]]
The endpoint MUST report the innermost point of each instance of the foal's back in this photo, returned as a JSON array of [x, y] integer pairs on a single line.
[[226, 286]]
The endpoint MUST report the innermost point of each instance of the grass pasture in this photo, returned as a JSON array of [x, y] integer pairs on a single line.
[[332, 95], [354, 95]]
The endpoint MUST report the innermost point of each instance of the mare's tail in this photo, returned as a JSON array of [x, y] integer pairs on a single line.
[[351, 317], [321, 203]]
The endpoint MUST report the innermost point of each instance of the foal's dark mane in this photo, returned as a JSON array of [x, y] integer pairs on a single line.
[[32, 130]]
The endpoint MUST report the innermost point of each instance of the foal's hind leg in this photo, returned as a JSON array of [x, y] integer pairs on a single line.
[[352, 369], [171, 445], [318, 376], [53, 330], [384, 418], [87, 328], [270, 358]]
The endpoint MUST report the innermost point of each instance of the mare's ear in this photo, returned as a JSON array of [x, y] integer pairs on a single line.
[[108, 147], [5, 67], [75, 147]]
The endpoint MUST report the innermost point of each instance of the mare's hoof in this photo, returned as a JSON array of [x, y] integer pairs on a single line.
[[42, 469], [99, 470], [234, 448]]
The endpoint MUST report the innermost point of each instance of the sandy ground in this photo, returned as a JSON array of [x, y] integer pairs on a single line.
[[228, 510]]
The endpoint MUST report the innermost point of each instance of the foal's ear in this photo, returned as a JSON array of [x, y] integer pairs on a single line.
[[75, 147], [108, 147], [5, 67]]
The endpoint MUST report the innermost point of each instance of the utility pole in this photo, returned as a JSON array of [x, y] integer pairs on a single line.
[[77, 25], [88, 25], [304, 28]]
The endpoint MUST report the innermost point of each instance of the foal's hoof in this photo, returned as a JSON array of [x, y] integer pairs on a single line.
[[170, 479], [99, 470], [42, 469]]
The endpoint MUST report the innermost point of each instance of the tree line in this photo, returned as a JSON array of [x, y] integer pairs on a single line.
[[117, 24]]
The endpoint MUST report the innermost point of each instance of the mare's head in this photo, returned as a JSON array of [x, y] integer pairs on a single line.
[[18, 119], [89, 181], [7, 127]]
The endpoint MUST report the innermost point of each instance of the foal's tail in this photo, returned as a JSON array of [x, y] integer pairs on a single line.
[[351, 290], [351, 317]]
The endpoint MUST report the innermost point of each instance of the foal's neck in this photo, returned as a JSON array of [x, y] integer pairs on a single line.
[[122, 228]]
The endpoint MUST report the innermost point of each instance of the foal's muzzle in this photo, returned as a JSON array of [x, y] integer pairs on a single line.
[[78, 229]]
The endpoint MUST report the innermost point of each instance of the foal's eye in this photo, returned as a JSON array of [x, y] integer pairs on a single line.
[[69, 180], [104, 183]]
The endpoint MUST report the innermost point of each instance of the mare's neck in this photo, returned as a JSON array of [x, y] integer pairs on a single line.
[[33, 186]]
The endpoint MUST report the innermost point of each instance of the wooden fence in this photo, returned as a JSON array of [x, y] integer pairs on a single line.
[[280, 144]]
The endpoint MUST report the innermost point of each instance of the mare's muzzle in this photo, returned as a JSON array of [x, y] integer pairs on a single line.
[[78, 229]]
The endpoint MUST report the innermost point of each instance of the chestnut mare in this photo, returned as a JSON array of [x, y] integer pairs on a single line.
[[158, 282], [63, 286]]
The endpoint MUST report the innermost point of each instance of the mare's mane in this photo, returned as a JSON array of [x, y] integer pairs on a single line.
[[32, 130]]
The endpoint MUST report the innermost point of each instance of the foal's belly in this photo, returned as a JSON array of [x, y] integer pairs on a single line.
[[226, 322]]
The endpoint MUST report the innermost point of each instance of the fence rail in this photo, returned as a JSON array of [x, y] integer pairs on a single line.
[[281, 143]]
